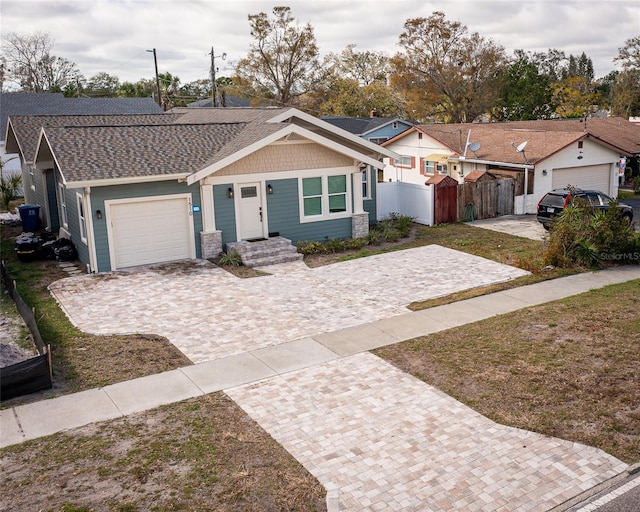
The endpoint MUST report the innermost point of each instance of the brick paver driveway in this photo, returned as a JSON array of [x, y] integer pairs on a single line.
[[209, 314]]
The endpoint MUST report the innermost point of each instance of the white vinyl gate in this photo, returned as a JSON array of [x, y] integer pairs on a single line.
[[406, 199]]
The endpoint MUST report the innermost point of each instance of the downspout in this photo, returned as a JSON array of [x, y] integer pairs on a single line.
[[91, 240], [526, 188]]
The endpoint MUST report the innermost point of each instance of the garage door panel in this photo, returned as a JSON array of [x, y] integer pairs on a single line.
[[594, 177], [151, 231]]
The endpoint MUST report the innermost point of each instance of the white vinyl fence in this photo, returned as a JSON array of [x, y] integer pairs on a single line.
[[406, 199]]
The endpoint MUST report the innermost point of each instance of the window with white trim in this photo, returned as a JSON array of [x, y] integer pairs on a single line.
[[82, 221], [403, 161], [365, 183], [312, 196], [324, 196], [337, 193], [62, 205], [429, 167]]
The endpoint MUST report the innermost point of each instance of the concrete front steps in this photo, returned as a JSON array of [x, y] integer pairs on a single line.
[[270, 251]]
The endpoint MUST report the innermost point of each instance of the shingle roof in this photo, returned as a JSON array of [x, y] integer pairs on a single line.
[[357, 125], [613, 130], [24, 104], [229, 101], [498, 141], [185, 141], [27, 128], [113, 152]]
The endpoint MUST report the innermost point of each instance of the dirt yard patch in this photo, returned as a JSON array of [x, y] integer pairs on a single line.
[[203, 454]]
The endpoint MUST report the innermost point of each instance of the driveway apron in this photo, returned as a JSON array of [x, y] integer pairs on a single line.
[[380, 439], [208, 313]]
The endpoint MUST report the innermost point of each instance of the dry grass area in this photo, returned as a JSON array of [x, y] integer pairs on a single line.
[[200, 455], [567, 369]]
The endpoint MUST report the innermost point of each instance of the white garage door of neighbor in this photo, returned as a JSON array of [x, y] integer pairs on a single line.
[[150, 231], [594, 177]]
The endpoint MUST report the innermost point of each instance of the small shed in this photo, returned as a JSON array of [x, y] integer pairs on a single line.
[[445, 198], [479, 177]]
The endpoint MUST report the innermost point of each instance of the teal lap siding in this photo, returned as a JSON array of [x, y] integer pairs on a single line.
[[284, 215], [101, 194]]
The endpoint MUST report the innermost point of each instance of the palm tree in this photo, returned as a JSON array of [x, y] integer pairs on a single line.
[[9, 185]]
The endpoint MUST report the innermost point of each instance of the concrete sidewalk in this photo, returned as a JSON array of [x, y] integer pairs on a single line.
[[249, 375]]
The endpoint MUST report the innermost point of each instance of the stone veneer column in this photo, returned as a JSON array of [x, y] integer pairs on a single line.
[[211, 244], [359, 225]]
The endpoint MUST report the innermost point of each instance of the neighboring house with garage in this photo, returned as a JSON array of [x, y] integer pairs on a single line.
[[134, 190], [538, 159]]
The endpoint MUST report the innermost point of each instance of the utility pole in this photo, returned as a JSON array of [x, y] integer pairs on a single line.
[[214, 85], [155, 61]]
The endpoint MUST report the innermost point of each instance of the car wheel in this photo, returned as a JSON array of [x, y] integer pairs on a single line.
[[627, 217]]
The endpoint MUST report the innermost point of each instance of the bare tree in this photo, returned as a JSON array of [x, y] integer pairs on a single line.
[[30, 64], [283, 57]]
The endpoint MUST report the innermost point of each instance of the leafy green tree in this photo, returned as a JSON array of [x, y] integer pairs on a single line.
[[30, 64], [525, 94], [462, 70], [283, 57], [366, 67], [347, 97], [143, 88], [102, 84]]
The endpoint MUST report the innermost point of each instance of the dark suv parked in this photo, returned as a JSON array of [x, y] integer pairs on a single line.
[[554, 202]]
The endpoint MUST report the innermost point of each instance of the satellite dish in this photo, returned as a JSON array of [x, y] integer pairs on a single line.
[[474, 146], [521, 147]]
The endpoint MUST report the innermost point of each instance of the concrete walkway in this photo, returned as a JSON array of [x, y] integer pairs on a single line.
[[377, 438]]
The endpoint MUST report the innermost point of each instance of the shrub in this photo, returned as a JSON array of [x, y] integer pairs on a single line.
[[231, 258], [589, 238], [635, 184], [308, 248]]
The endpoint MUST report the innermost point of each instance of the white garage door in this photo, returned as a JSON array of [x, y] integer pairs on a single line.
[[144, 231], [595, 177]]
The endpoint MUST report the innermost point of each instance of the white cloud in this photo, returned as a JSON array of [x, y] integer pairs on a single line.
[[113, 35]]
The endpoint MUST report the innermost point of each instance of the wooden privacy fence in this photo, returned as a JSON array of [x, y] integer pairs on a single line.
[[485, 200], [31, 375]]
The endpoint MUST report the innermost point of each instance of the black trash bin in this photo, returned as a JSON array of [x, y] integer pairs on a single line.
[[30, 216], [27, 247]]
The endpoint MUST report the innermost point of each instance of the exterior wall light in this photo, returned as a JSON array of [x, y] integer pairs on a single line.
[[269, 189], [98, 214], [230, 192]]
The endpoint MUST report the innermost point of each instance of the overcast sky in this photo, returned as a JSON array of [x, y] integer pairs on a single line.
[[113, 36]]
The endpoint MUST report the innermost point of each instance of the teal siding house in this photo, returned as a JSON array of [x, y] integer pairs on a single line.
[[133, 190]]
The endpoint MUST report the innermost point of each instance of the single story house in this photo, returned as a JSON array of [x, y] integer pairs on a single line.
[[373, 128], [28, 104], [421, 156], [539, 160], [142, 189]]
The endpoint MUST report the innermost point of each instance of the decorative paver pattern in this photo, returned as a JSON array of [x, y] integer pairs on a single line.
[[387, 441], [209, 314]]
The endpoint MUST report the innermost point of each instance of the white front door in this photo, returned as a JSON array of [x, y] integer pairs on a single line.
[[250, 211]]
